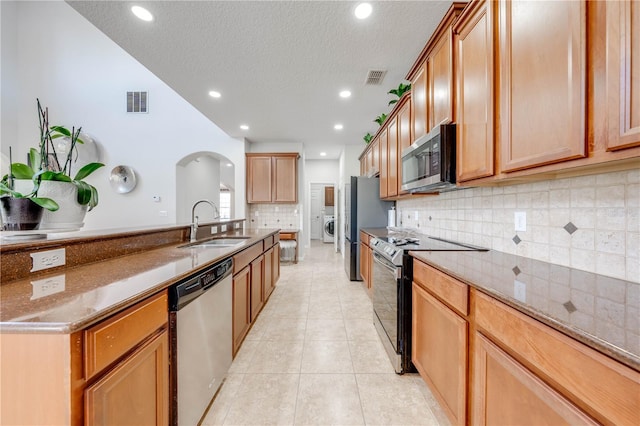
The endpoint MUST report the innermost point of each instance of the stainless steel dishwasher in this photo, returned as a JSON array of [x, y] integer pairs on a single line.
[[201, 324]]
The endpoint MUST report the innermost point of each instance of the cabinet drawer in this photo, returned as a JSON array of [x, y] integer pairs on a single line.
[[449, 290], [600, 386], [364, 238], [242, 259], [276, 238], [112, 338], [287, 236]]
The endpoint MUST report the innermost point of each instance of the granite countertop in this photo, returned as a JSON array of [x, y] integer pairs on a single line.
[[599, 311], [74, 298]]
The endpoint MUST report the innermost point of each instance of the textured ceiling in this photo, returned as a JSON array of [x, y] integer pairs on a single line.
[[279, 65]]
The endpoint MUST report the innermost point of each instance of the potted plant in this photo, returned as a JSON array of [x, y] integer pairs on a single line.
[[21, 211], [380, 119], [55, 177], [367, 138], [399, 92]]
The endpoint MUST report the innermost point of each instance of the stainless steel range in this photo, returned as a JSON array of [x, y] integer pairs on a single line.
[[391, 276]]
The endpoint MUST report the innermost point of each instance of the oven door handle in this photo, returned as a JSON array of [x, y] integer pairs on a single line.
[[393, 269]]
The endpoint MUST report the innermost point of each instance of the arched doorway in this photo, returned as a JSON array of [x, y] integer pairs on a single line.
[[201, 175]]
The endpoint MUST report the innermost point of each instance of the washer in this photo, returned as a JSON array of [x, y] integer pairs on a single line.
[[328, 229]]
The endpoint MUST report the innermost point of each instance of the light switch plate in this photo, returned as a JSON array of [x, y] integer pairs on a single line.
[[47, 259], [520, 220]]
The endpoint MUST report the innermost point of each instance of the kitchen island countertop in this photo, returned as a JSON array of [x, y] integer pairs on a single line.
[[71, 299]]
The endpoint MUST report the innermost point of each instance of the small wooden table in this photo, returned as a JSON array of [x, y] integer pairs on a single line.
[[291, 235]]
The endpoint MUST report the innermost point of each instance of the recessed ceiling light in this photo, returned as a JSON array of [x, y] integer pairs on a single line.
[[363, 10], [244, 127], [345, 94], [142, 13], [338, 127], [229, 164], [214, 94], [323, 154]]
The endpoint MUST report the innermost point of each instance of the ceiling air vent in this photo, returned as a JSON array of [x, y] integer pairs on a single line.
[[137, 102], [375, 77]]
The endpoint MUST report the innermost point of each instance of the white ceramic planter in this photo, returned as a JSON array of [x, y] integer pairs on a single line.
[[70, 215]]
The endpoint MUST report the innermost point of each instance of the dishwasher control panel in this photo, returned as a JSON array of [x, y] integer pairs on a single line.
[[190, 288]]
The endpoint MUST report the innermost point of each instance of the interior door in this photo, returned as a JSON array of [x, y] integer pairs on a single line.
[[317, 192]]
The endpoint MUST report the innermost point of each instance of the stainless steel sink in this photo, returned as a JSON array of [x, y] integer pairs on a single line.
[[219, 242]]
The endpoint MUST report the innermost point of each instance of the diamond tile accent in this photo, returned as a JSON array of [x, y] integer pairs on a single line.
[[516, 239], [570, 307], [570, 228], [516, 270]]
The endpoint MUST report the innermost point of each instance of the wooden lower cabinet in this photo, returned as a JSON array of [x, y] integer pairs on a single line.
[[136, 391], [439, 351], [257, 300], [364, 264], [276, 264], [241, 306], [506, 393], [269, 282]]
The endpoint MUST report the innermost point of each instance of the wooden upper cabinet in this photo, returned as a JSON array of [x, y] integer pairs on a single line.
[[286, 180], [474, 91], [392, 157], [404, 138], [440, 81], [375, 157], [272, 178], [384, 156], [623, 73], [259, 179], [419, 103], [541, 82], [329, 195]]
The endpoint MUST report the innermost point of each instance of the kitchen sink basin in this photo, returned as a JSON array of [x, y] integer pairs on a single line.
[[218, 242]]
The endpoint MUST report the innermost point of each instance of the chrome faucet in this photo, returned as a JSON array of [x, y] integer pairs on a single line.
[[194, 218]]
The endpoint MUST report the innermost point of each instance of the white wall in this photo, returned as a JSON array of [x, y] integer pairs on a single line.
[[56, 55], [202, 182]]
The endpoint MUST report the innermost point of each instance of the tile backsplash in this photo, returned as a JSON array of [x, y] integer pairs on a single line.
[[589, 223], [285, 216]]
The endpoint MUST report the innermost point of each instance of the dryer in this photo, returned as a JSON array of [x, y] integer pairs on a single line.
[[328, 229]]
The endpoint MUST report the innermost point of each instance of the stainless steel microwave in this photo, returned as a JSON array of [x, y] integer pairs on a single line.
[[429, 164]]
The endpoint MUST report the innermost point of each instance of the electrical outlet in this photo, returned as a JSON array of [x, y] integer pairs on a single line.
[[223, 228], [47, 259], [519, 290], [417, 215], [162, 213], [520, 220], [214, 229], [48, 286], [257, 213]]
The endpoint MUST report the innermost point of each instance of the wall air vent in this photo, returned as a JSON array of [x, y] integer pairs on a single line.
[[375, 77], [137, 102]]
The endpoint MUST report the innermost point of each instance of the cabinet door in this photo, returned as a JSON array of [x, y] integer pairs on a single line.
[[392, 158], [285, 188], [419, 103], [259, 179], [439, 352], [474, 91], [276, 264], [542, 82], [384, 163], [404, 138], [257, 281], [241, 306], [440, 86], [506, 393], [268, 274], [328, 196], [623, 73], [375, 157], [136, 391]]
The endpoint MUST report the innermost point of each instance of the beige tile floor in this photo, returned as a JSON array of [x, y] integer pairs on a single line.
[[313, 357]]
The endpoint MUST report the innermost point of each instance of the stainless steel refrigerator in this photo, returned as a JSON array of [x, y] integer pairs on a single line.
[[363, 209]]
